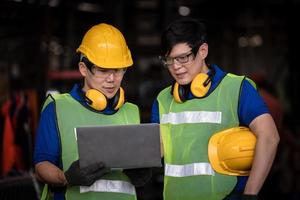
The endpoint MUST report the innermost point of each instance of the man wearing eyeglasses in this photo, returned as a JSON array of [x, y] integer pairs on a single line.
[[205, 100], [99, 100]]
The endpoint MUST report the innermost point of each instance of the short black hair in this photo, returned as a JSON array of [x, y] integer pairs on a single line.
[[183, 30], [86, 61]]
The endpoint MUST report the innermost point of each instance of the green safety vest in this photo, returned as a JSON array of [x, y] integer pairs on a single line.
[[70, 114], [186, 129]]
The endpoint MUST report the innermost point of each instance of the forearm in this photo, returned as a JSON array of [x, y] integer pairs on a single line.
[[265, 151], [260, 168], [50, 174]]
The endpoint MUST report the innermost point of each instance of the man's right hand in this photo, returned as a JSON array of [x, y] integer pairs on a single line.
[[86, 176]]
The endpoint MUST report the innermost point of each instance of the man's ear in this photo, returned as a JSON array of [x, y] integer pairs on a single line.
[[203, 50], [83, 69]]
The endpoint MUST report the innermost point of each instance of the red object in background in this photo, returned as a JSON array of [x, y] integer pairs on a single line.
[[8, 146], [265, 90], [275, 107], [65, 74], [19, 119]]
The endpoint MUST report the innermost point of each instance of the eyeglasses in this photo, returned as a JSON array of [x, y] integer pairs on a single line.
[[103, 73], [169, 61]]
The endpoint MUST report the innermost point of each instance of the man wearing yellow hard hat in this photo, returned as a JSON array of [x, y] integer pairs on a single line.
[[194, 111], [99, 100]]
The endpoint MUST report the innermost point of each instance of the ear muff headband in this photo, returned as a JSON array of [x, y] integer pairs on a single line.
[[98, 100]]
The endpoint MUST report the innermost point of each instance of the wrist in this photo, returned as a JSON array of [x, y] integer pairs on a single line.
[[62, 178]]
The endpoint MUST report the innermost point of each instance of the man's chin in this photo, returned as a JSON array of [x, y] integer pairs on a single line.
[[110, 95], [183, 81]]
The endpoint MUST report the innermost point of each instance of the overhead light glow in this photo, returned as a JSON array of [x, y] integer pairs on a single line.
[[243, 41], [184, 10], [89, 7], [256, 40]]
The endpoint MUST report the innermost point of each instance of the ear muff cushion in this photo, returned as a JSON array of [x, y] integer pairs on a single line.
[[200, 85], [119, 99], [96, 99], [178, 93]]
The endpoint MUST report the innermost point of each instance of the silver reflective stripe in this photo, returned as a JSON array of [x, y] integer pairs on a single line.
[[109, 186], [189, 170], [192, 117]]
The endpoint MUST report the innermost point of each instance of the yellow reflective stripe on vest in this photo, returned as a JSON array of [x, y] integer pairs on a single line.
[[189, 170], [109, 186], [192, 117]]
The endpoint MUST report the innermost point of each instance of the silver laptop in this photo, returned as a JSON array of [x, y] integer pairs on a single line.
[[120, 146]]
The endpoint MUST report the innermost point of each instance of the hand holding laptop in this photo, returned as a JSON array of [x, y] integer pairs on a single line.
[[76, 176]]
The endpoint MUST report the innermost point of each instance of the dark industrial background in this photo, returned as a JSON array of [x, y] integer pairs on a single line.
[[38, 39]]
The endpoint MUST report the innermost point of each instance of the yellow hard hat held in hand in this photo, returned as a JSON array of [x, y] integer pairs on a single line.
[[231, 151]]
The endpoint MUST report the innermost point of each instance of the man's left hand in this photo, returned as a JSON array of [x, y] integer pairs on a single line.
[[139, 177]]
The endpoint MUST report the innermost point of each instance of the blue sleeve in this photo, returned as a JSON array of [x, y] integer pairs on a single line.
[[155, 112], [47, 141], [251, 104]]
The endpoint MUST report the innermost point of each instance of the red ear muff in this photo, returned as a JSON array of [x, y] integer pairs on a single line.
[[98, 100], [200, 85]]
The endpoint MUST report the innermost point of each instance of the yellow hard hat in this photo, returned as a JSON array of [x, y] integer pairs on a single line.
[[231, 151], [105, 46]]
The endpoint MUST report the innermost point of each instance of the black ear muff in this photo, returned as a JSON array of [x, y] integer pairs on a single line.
[[200, 85], [96, 99], [118, 100]]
